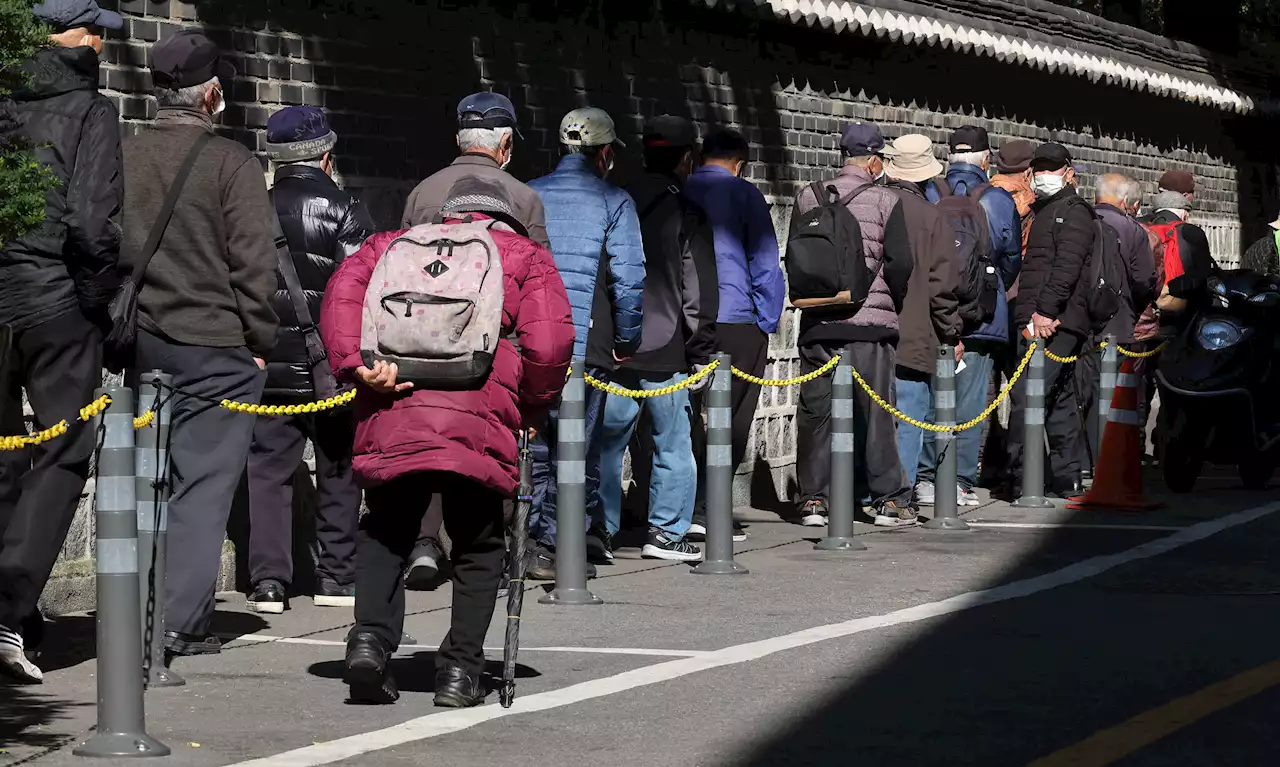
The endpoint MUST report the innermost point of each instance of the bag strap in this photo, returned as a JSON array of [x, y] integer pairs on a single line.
[[166, 208], [289, 271], [848, 198], [976, 192], [649, 209], [1276, 234]]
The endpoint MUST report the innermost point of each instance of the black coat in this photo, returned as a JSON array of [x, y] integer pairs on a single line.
[[73, 256], [324, 225], [1060, 243]]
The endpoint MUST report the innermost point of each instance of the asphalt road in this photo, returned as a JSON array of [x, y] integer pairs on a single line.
[[1040, 638]]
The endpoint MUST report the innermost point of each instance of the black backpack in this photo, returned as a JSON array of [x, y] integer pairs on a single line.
[[826, 264], [1105, 276], [979, 289]]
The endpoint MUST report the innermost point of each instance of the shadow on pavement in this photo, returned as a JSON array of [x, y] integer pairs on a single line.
[[417, 672], [27, 716]]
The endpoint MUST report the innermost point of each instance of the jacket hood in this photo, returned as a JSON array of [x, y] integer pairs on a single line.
[[55, 71], [971, 175]]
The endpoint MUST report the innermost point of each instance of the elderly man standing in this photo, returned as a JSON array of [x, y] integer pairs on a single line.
[[599, 251], [54, 284], [204, 309], [487, 129]]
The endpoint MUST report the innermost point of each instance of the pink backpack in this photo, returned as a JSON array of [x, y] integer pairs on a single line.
[[434, 305]]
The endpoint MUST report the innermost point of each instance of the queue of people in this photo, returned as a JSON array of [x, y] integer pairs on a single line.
[[456, 332]]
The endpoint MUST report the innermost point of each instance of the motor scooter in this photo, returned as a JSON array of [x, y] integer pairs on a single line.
[[1219, 380]]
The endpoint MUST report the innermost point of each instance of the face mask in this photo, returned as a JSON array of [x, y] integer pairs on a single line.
[[1047, 184], [507, 161], [220, 105]]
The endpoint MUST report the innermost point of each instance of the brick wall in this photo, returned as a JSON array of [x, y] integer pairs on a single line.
[[390, 73]]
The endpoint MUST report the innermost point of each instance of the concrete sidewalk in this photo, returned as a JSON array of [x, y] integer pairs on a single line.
[[277, 685]]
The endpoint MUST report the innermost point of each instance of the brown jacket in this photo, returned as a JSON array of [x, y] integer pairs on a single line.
[[426, 200], [931, 313]]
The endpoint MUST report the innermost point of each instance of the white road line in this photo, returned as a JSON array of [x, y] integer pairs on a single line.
[[267, 639], [435, 725], [1074, 526]]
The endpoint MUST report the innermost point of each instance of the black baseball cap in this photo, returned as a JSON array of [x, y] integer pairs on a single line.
[[669, 130], [487, 110], [1050, 157], [862, 139], [69, 14], [969, 138], [188, 58]]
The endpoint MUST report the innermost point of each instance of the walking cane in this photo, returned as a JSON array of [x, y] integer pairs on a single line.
[[515, 567]]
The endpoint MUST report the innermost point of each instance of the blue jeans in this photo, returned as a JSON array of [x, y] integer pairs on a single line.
[[674, 481], [542, 515], [915, 399], [971, 397]]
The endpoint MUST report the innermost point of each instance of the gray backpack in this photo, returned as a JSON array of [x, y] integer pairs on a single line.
[[434, 305]]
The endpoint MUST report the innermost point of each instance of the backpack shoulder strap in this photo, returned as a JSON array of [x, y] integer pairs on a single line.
[[671, 190], [848, 198], [976, 192], [289, 271], [943, 189]]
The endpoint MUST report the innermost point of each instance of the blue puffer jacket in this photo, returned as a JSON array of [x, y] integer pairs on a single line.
[[1006, 240], [587, 218]]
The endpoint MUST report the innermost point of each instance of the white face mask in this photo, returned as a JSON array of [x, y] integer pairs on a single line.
[[220, 105], [1047, 184], [507, 161]]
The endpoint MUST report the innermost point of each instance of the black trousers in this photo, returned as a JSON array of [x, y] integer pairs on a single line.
[[748, 346], [59, 363], [473, 517], [273, 464], [207, 450], [1062, 417], [1088, 383], [875, 433]]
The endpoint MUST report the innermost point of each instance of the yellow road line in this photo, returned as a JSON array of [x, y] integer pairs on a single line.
[[1112, 745]]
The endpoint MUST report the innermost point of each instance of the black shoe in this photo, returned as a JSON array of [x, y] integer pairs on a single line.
[[455, 688], [428, 568], [599, 547], [330, 594], [178, 643], [366, 671], [541, 565], [739, 532], [698, 529], [1063, 490], [267, 597]]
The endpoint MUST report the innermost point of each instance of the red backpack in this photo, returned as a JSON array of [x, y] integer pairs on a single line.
[[1168, 260]]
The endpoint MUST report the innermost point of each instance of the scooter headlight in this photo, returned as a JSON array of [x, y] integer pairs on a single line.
[[1217, 334]]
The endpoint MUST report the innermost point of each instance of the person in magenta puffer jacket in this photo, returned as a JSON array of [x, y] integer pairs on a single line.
[[414, 445]]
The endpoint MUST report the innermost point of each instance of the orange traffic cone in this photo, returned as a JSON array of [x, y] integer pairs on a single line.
[[1117, 477]]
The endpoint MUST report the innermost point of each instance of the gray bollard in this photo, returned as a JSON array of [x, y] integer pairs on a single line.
[[152, 466], [571, 503], [1107, 381], [1033, 440], [717, 554], [843, 501], [946, 514], [121, 716]]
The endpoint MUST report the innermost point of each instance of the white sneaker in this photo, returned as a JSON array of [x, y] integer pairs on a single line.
[[13, 658], [925, 493], [967, 497]]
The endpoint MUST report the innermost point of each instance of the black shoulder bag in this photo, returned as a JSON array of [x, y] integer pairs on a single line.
[[322, 378], [123, 311]]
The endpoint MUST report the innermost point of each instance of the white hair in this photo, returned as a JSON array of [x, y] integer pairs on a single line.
[[190, 97], [971, 158], [482, 139], [1114, 186]]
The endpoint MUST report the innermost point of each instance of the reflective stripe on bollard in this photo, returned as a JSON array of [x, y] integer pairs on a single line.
[[152, 466], [718, 553], [946, 515], [571, 491], [1106, 390], [121, 716], [842, 504], [1033, 440]]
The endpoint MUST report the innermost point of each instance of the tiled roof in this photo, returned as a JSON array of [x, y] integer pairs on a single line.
[[919, 24]]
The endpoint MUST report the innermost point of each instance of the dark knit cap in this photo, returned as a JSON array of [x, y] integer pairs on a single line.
[[299, 133], [1178, 181], [1015, 156]]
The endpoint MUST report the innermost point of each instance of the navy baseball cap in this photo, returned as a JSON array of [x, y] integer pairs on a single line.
[[487, 110], [862, 139], [188, 58], [69, 14]]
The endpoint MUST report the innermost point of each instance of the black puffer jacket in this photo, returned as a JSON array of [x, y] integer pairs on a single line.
[[324, 225], [71, 258], [1060, 243]]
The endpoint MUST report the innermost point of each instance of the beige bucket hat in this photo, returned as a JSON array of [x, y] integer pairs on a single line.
[[910, 158]]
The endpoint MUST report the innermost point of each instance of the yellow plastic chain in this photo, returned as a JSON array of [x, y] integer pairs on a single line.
[[1136, 355], [797, 381], [646, 393], [87, 413], [1142, 355], [345, 398], [144, 420], [896, 413]]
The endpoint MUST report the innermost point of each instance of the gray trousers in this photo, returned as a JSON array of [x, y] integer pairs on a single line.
[[207, 450], [875, 434]]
